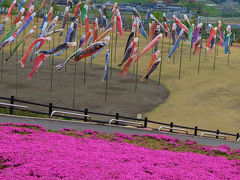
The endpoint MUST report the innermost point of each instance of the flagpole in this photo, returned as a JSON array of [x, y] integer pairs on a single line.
[[66, 53], [107, 79], [169, 42], [214, 63], [74, 83], [116, 40], [37, 25], [190, 55], [85, 68], [111, 53], [75, 70], [51, 87], [160, 69], [228, 61], [136, 81], [16, 70], [106, 89], [199, 59], [174, 56], [206, 48], [11, 26], [180, 65], [2, 62]]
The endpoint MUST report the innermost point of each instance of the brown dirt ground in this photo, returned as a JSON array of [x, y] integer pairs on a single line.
[[122, 97]]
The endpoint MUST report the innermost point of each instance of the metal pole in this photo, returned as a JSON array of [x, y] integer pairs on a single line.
[[160, 69], [180, 66]]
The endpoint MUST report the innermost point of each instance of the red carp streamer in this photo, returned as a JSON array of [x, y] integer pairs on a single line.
[[24, 58]]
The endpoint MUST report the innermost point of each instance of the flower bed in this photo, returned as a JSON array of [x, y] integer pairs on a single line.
[[28, 152]]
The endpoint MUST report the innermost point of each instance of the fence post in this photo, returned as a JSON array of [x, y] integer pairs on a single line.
[[217, 134], [85, 113], [117, 117], [171, 126], [195, 130], [11, 102], [237, 136], [145, 122], [50, 109]]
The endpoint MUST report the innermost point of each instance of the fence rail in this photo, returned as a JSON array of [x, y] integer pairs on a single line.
[[87, 115], [171, 129], [124, 121], [71, 114]]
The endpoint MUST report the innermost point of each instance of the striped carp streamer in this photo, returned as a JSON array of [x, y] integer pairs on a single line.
[[95, 29], [61, 47], [160, 24], [227, 41], [50, 14], [174, 31], [147, 17], [65, 18], [127, 54], [181, 25], [24, 26], [197, 45], [43, 6], [11, 31], [95, 55], [37, 63], [152, 30], [100, 18], [10, 36], [187, 20], [25, 38], [73, 34], [70, 29], [212, 34], [83, 53], [10, 11], [119, 23], [196, 33], [85, 38], [132, 57], [2, 26], [19, 15], [157, 32], [220, 33], [151, 69], [21, 5], [190, 28], [53, 24], [213, 43], [29, 13], [76, 11], [166, 23], [103, 35], [149, 46], [136, 13], [29, 4], [114, 10], [129, 41], [106, 66], [175, 46], [24, 58], [154, 57], [141, 28]]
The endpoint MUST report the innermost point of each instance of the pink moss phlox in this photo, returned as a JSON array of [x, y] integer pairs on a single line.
[[124, 136], [161, 137], [90, 131], [45, 155]]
